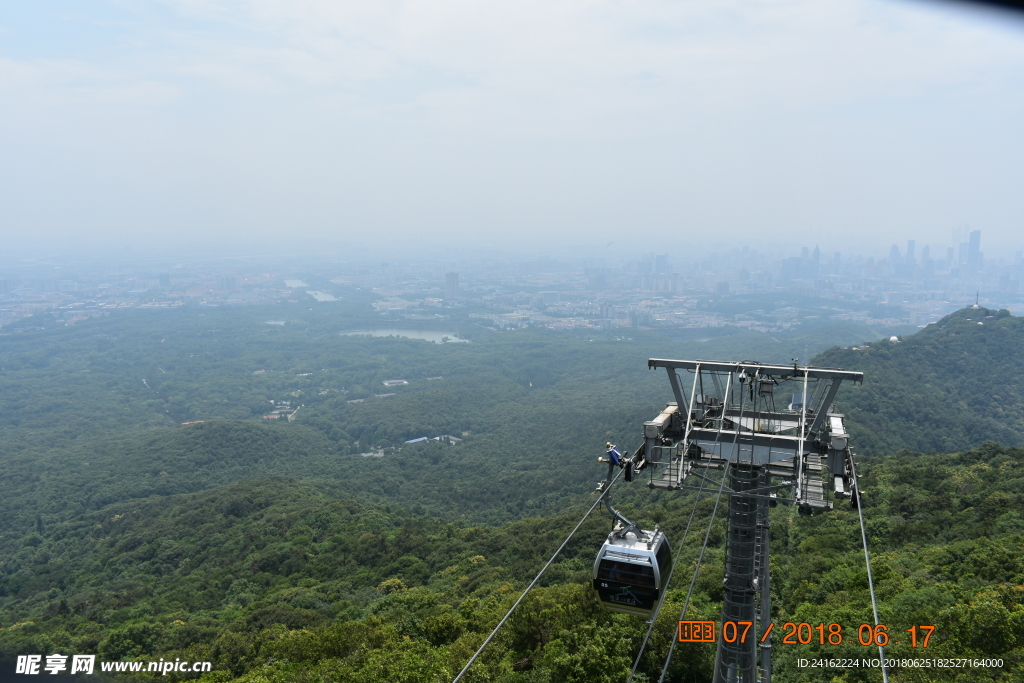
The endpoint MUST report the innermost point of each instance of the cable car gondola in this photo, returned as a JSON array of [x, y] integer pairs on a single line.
[[630, 570], [632, 566]]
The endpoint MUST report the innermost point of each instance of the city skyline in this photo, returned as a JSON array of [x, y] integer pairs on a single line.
[[743, 288]]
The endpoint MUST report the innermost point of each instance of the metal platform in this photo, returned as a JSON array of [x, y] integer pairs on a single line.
[[776, 429]]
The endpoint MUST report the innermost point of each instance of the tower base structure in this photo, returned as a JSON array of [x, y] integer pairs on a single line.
[[738, 417], [744, 617]]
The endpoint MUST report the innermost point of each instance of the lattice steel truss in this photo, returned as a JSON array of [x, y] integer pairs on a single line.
[[732, 420]]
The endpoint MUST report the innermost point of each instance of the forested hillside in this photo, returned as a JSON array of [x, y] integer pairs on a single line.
[[287, 532], [951, 386], [273, 580], [93, 414]]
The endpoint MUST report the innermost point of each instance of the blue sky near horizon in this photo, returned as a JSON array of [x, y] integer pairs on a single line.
[[527, 122]]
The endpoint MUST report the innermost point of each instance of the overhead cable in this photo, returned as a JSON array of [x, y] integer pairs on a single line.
[[686, 533], [867, 562], [664, 591], [696, 570], [535, 580], [707, 534]]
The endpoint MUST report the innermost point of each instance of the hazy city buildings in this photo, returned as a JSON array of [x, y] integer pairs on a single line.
[[740, 287], [451, 286]]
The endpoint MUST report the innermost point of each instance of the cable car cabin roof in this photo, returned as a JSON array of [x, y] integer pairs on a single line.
[[631, 544], [634, 550]]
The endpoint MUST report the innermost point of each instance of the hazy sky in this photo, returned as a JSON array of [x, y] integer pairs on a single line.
[[845, 122]]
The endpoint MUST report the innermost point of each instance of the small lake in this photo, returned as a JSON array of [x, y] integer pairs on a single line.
[[429, 335]]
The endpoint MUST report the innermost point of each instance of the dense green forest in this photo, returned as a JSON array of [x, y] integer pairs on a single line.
[[92, 414], [318, 545], [274, 580], [951, 386]]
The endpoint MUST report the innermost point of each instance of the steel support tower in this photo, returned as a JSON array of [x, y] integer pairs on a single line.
[[774, 428]]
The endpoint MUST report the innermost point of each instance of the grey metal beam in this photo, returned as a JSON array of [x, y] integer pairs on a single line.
[[818, 390], [773, 370], [774, 416], [677, 390], [779, 441], [718, 387], [684, 487], [822, 411]]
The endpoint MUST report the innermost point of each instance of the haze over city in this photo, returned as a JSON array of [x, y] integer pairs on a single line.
[[548, 341], [272, 127]]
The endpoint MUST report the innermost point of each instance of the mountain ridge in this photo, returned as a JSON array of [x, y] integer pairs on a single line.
[[950, 387]]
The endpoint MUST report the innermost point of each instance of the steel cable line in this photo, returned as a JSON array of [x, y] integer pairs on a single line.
[[696, 570], [867, 562], [707, 534], [536, 579], [686, 532], [664, 593]]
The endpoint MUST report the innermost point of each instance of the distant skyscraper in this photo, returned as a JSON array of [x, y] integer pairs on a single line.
[[791, 268], [451, 286], [974, 250], [661, 263], [805, 268], [910, 252]]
